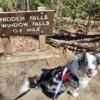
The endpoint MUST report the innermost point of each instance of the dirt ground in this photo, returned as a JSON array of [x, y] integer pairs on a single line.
[[12, 75]]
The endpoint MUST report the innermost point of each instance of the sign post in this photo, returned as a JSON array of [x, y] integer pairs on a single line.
[[42, 38], [7, 44], [28, 8]]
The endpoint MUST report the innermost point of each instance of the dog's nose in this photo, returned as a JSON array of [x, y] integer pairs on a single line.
[[89, 70], [89, 73]]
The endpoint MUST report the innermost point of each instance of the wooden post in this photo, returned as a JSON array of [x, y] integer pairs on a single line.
[[27, 5], [42, 42], [7, 44], [42, 38], [1, 10]]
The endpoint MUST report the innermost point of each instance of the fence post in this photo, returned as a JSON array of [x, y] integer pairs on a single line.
[[42, 38]]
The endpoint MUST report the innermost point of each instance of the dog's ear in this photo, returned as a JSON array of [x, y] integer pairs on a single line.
[[82, 58], [97, 55], [98, 60]]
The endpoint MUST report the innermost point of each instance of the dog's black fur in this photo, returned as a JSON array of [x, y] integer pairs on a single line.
[[47, 79]]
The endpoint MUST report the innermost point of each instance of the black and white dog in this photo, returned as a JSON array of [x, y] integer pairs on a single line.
[[80, 70], [85, 67]]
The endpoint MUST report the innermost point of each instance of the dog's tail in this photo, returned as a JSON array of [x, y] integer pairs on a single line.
[[25, 86], [28, 84]]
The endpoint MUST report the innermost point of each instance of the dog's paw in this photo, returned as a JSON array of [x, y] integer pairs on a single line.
[[75, 94]]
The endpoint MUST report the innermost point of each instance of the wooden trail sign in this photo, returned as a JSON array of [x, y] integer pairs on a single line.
[[26, 23]]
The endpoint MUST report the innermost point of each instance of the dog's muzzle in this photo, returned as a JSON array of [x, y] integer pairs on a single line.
[[89, 73]]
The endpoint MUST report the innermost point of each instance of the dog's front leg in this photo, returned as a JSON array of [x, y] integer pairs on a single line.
[[74, 92], [82, 84]]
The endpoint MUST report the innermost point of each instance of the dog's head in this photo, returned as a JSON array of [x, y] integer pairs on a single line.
[[89, 63]]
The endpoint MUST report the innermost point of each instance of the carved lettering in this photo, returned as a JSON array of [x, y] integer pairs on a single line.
[[15, 25], [42, 17], [13, 19], [17, 30], [37, 29], [42, 23]]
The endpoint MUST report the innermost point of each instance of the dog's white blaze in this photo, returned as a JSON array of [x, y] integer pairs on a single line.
[[25, 87], [91, 59]]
